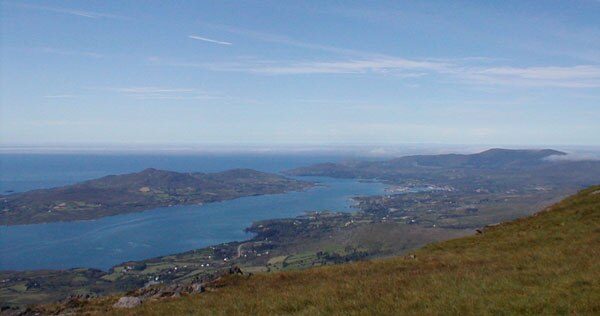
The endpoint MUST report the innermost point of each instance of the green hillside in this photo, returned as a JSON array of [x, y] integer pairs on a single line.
[[136, 192]]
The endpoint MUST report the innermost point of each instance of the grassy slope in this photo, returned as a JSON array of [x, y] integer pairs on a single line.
[[544, 264]]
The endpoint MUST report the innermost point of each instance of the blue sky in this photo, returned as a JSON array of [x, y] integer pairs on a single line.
[[292, 72]]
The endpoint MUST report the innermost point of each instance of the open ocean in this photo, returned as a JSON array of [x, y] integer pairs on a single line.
[[111, 240]]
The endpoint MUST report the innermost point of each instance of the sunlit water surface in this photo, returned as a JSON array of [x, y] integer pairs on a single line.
[[111, 240]]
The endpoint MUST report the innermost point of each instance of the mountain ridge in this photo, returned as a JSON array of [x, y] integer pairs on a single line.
[[138, 191], [491, 158]]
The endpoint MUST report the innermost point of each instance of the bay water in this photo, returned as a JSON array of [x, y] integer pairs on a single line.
[[108, 241]]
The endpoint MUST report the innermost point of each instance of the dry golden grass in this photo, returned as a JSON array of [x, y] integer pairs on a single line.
[[544, 264]]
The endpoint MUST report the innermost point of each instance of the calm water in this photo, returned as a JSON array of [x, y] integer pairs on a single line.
[[111, 240]]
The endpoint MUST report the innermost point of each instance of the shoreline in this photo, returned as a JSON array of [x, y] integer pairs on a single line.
[[152, 209], [138, 192]]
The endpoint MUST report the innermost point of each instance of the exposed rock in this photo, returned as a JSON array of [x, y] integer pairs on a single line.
[[137, 296], [197, 288], [9, 311], [175, 290], [486, 227], [128, 302], [232, 270]]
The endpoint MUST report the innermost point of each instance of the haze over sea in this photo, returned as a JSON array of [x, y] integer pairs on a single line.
[[111, 240]]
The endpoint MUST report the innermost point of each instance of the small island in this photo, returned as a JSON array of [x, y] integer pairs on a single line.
[[135, 192]]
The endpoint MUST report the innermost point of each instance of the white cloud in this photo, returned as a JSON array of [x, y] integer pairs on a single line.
[[165, 93], [74, 12], [60, 96], [579, 76], [397, 66], [67, 52], [383, 65], [479, 70], [208, 40], [287, 41], [574, 157]]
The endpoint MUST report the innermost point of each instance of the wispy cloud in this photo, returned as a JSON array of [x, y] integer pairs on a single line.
[[574, 157], [288, 41], [358, 66], [460, 71], [60, 96], [165, 93], [74, 12], [200, 38], [407, 67], [469, 70], [67, 52], [578, 76]]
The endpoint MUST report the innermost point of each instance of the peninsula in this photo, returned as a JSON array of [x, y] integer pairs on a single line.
[[135, 192]]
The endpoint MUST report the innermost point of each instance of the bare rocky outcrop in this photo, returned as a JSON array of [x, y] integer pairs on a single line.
[[174, 290], [138, 296], [128, 302], [486, 227]]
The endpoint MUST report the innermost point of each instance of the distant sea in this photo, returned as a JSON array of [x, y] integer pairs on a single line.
[[111, 240]]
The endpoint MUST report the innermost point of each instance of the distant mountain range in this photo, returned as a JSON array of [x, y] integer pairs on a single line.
[[490, 159], [134, 192], [493, 170]]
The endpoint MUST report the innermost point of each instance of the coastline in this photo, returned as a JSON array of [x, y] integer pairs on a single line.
[[138, 192]]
